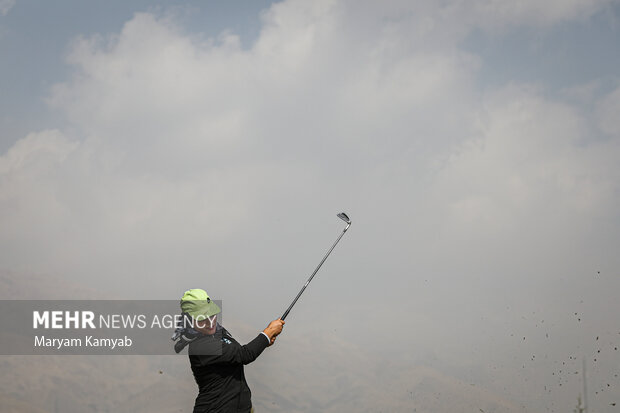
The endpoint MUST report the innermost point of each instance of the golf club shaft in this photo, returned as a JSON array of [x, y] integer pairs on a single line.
[[315, 271]]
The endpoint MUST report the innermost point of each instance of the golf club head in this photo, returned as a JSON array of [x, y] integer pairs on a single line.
[[344, 217]]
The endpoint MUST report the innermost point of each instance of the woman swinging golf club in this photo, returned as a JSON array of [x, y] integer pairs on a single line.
[[217, 359]]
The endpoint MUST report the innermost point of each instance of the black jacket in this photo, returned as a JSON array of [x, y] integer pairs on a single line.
[[217, 363]]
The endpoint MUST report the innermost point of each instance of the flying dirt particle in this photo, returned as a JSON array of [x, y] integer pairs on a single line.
[[523, 338], [596, 338], [612, 404], [579, 319], [598, 272], [616, 348], [161, 372], [598, 351]]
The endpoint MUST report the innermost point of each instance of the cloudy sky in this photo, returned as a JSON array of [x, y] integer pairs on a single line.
[[149, 147]]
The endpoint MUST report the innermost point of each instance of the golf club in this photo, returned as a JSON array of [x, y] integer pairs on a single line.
[[346, 219]]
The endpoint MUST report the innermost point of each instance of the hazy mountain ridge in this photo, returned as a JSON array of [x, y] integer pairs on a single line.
[[344, 379], [323, 373]]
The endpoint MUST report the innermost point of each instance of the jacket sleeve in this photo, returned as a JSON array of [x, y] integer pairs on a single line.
[[235, 353]]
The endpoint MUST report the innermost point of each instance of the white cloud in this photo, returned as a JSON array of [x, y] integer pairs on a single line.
[[33, 214], [6, 6], [533, 156], [496, 13], [37, 150], [332, 96], [607, 114]]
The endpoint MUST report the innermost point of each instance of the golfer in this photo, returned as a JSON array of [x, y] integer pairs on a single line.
[[217, 359]]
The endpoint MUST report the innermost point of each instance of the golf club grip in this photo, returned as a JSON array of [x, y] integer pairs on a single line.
[[288, 310]]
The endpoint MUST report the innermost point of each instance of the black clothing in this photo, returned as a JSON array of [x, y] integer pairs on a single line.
[[217, 363]]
